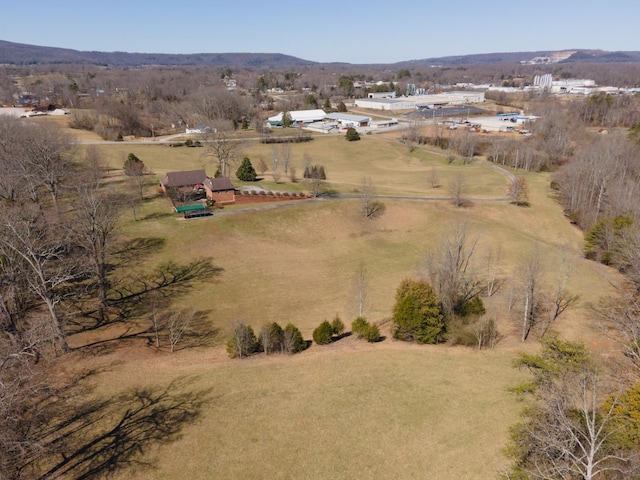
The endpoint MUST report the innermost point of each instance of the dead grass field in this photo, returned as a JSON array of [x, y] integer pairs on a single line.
[[348, 410], [392, 168]]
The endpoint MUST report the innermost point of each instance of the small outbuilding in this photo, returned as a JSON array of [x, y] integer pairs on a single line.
[[220, 190]]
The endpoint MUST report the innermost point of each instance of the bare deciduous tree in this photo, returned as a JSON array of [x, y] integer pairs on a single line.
[[93, 225], [15, 182], [619, 318], [486, 333], [224, 151], [360, 287], [271, 338], [559, 299], [307, 160], [493, 282], [371, 207], [433, 177], [530, 272], [458, 190], [466, 144], [48, 268], [568, 437], [262, 165], [411, 135], [177, 324], [520, 192], [285, 157], [48, 153], [450, 268]]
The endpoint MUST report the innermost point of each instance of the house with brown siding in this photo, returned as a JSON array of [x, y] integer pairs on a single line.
[[185, 180], [220, 190]]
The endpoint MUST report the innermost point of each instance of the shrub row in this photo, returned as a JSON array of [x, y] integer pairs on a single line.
[[272, 338], [324, 333], [296, 139], [269, 193], [363, 329]]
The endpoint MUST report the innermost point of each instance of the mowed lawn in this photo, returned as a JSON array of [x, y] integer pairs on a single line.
[[350, 409]]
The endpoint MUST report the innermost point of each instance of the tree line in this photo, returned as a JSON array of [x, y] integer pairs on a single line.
[[66, 269]]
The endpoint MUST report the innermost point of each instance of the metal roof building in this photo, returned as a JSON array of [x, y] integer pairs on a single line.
[[298, 116], [348, 120]]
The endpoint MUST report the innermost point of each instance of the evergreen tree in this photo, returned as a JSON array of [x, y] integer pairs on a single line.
[[242, 342], [133, 166], [417, 313], [271, 338], [352, 134], [337, 325], [323, 334], [292, 339], [246, 172]]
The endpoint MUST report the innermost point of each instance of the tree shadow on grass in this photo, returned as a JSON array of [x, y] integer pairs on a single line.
[[340, 337], [100, 437], [137, 295], [158, 215], [137, 248]]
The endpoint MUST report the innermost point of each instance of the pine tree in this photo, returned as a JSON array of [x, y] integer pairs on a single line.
[[246, 172]]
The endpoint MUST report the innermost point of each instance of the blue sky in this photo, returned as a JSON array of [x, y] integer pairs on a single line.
[[325, 31]]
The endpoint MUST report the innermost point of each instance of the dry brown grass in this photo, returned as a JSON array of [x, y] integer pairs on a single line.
[[351, 409]]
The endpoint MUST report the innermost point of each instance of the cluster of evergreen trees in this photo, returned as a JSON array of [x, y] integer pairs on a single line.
[[272, 338]]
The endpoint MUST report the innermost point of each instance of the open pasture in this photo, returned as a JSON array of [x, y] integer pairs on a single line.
[[348, 410], [393, 169]]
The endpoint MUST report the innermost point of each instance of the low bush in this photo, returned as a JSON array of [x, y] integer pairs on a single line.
[[337, 326], [363, 329], [323, 333], [371, 333], [358, 326]]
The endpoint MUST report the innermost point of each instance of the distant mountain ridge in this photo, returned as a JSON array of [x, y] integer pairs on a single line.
[[24, 54], [564, 56]]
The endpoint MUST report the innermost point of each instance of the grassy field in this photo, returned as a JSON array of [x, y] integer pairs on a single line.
[[392, 168], [350, 409], [347, 411]]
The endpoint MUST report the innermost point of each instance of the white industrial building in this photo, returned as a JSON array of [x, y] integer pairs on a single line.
[[348, 120], [449, 98], [413, 102], [385, 104], [298, 117], [572, 85], [381, 94]]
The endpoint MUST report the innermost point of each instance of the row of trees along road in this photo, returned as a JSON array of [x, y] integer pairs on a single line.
[[61, 254]]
